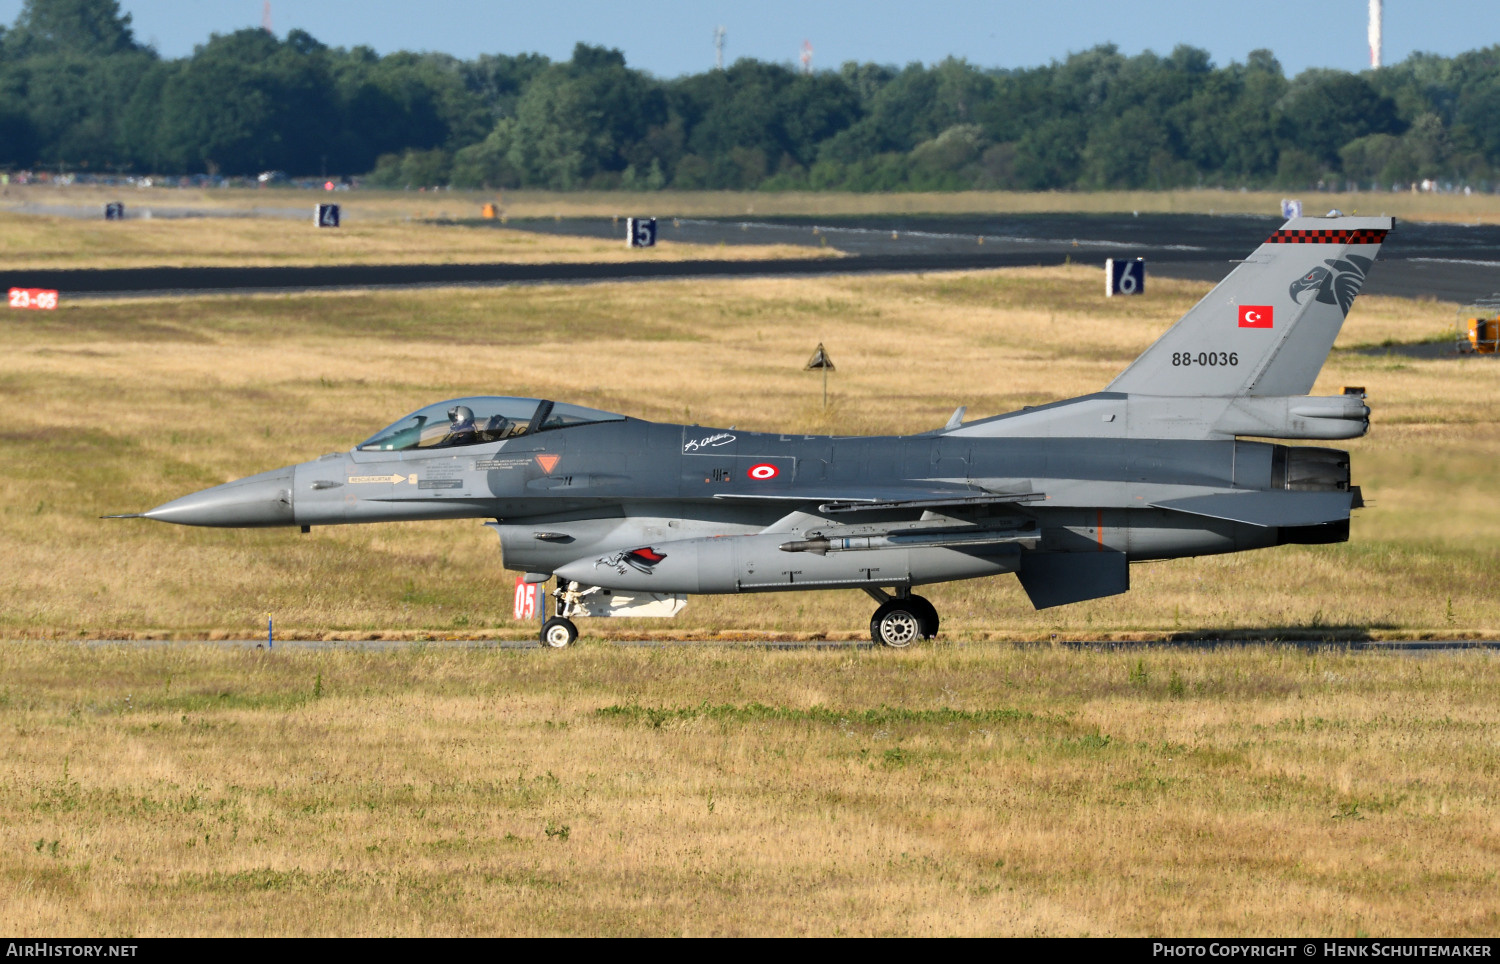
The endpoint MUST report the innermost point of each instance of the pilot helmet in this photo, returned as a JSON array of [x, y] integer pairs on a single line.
[[461, 415]]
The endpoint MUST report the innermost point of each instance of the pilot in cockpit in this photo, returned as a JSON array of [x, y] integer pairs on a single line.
[[461, 430], [498, 419], [464, 429]]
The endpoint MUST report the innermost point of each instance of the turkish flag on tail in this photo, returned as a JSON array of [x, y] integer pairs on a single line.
[[1255, 316]]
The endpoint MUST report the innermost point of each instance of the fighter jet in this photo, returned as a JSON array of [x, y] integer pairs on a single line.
[[630, 516]]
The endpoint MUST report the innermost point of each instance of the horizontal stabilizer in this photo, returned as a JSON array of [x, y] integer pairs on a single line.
[[1058, 578], [1278, 507]]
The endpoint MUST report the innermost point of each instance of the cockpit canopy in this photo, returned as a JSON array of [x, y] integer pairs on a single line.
[[482, 418]]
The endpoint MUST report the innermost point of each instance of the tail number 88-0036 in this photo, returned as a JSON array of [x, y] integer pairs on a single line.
[[1208, 359]]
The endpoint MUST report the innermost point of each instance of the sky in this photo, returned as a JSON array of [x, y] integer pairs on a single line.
[[669, 38]]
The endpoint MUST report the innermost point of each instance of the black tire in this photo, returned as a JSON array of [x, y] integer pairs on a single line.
[[558, 633], [897, 623], [928, 616]]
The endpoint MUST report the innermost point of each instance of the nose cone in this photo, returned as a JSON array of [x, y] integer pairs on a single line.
[[260, 500]]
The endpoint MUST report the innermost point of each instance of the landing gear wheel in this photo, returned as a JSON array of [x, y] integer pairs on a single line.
[[897, 623], [928, 615], [558, 632]]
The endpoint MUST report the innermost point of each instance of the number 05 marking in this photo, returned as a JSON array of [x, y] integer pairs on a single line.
[[525, 601]]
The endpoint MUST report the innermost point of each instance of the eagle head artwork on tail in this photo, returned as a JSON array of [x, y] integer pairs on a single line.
[[1337, 284]]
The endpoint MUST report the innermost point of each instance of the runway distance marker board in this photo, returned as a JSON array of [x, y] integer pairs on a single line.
[[1124, 276], [44, 299]]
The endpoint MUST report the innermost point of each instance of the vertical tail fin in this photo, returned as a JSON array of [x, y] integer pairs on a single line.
[[1268, 327]]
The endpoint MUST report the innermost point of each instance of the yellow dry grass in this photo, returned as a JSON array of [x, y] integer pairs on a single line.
[[33, 241], [967, 787], [376, 204], [118, 406], [976, 790]]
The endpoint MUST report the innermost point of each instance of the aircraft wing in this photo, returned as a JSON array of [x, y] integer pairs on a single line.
[[952, 502], [887, 498]]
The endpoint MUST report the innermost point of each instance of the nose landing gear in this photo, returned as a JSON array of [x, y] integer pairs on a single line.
[[559, 632]]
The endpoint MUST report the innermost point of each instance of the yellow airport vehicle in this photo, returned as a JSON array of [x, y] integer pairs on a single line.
[[1479, 328]]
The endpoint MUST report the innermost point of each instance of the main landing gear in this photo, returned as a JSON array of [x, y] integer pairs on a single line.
[[902, 619]]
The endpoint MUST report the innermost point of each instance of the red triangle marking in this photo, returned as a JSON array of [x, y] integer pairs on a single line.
[[548, 462]]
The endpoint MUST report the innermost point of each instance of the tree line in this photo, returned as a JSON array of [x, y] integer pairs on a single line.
[[79, 92]]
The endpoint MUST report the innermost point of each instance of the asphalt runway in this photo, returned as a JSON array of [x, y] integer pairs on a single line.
[[1450, 262], [529, 642], [135, 211], [1403, 647], [115, 282]]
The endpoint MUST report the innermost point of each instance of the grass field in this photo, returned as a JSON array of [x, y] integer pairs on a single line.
[[372, 204], [119, 406], [32, 241], [960, 789], [965, 787]]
